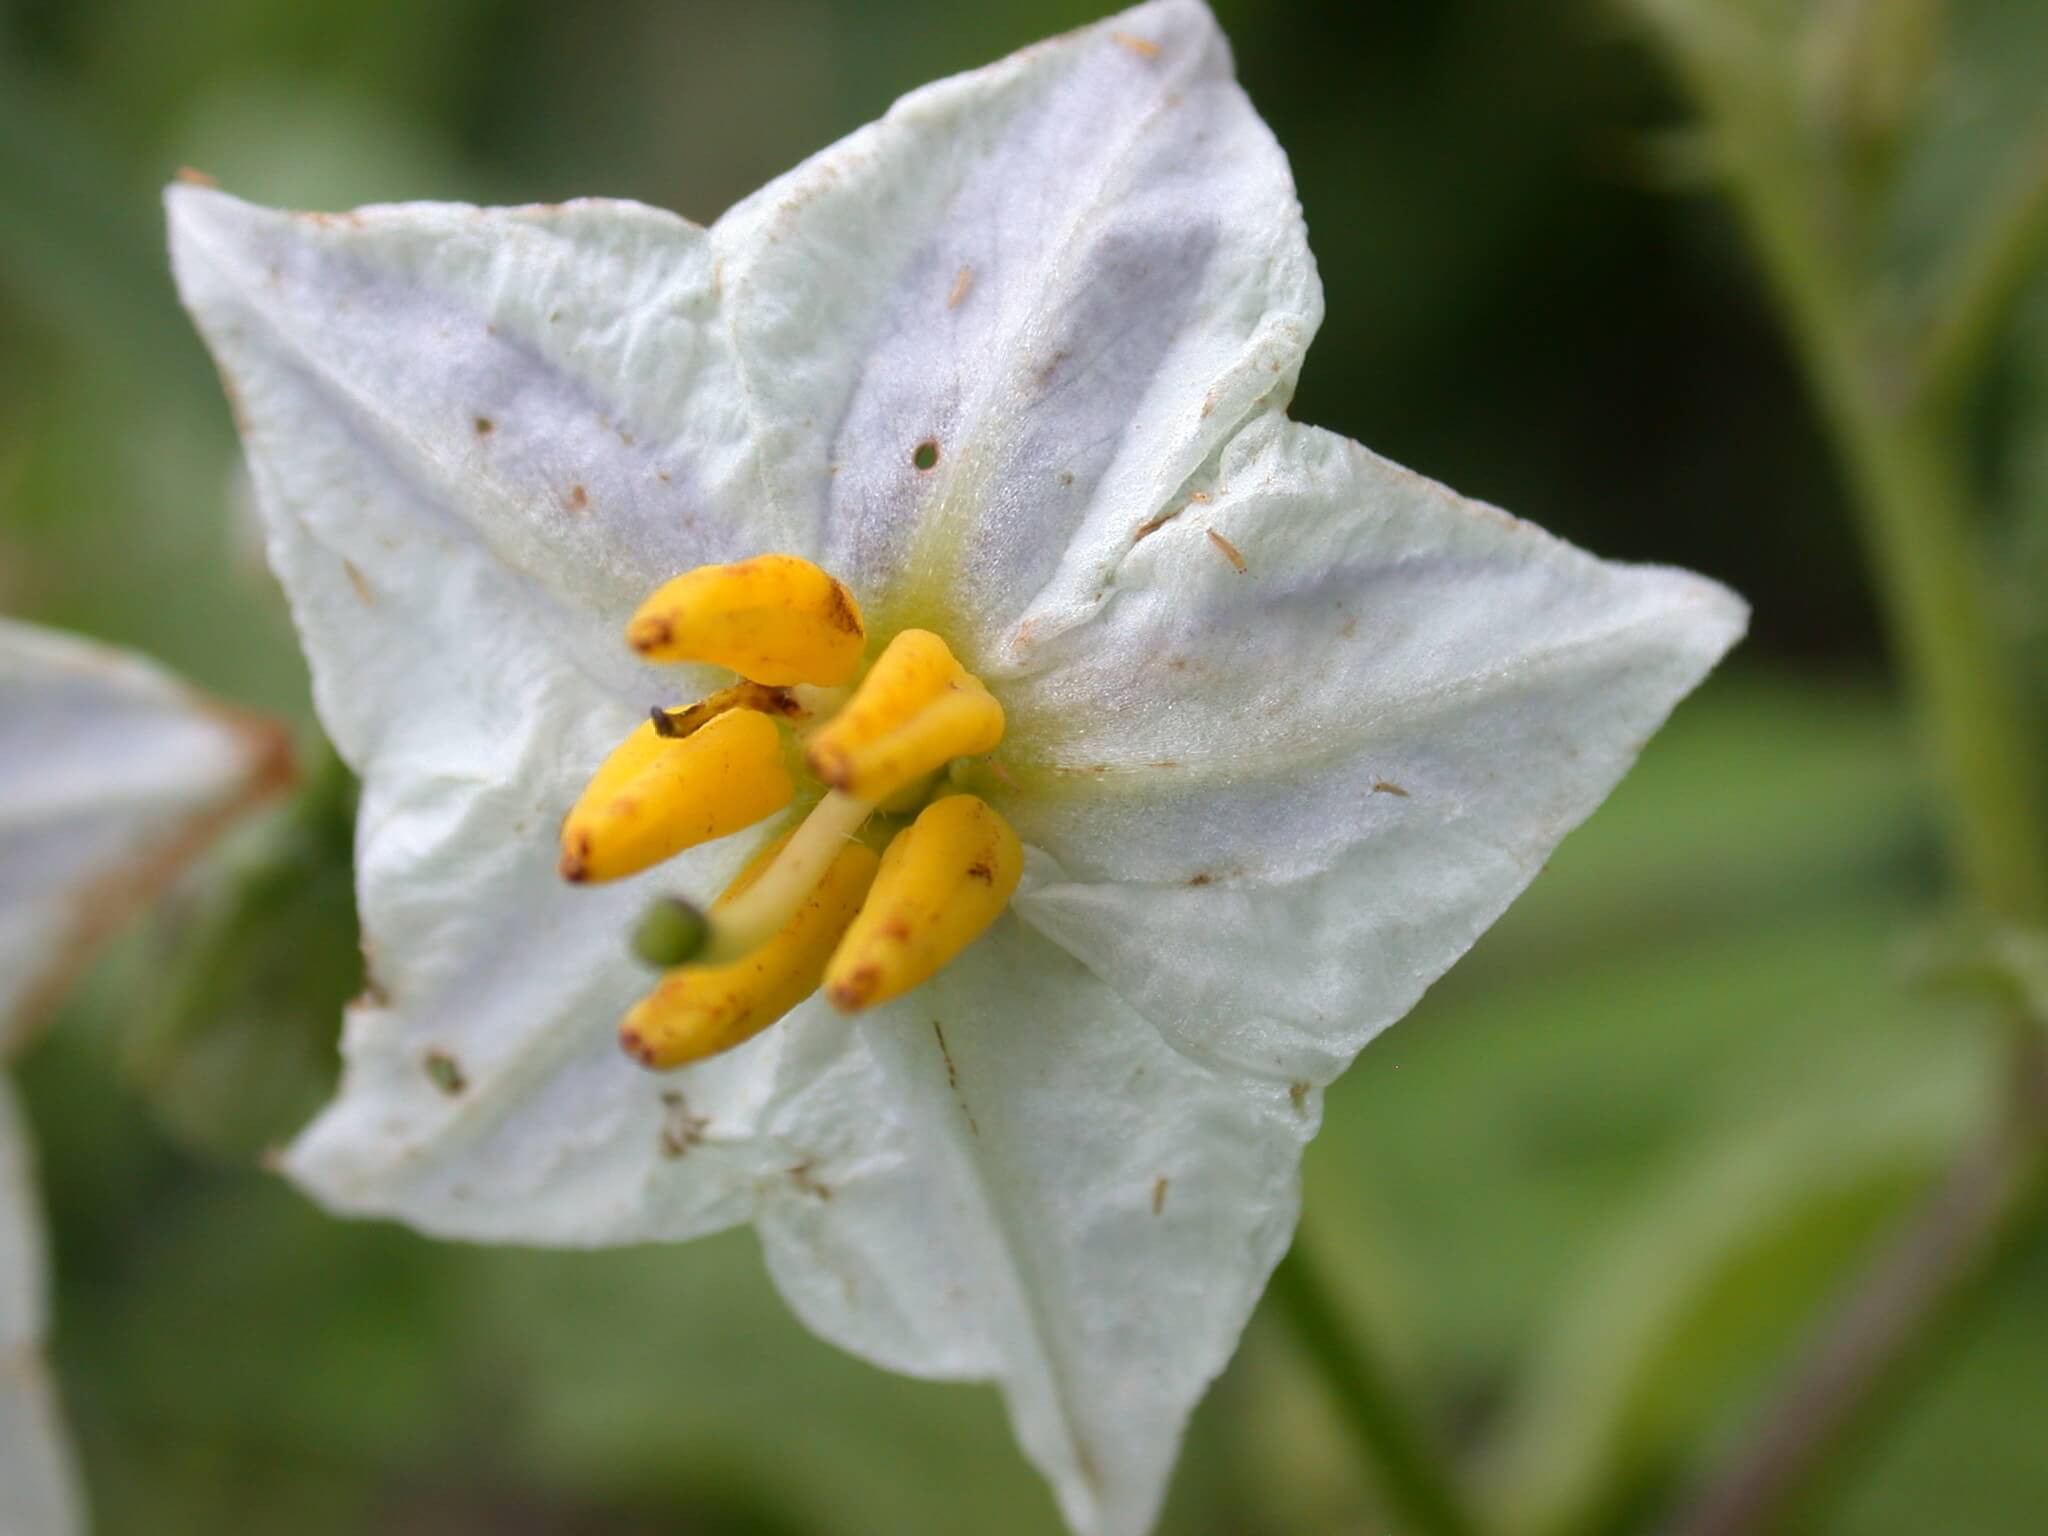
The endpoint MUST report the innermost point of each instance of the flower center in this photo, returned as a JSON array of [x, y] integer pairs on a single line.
[[818, 905]]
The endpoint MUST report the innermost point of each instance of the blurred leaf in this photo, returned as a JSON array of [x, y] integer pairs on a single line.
[[275, 139], [1717, 945], [122, 514], [1713, 954], [1685, 1309], [661, 1373], [80, 243], [1997, 962], [1985, 104], [235, 1048], [1966, 1452], [2020, 544], [1874, 62], [144, 60]]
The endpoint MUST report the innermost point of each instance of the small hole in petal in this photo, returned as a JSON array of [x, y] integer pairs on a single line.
[[925, 455]]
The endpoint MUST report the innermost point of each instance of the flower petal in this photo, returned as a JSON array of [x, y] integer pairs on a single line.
[[481, 437], [38, 1484], [485, 1095], [1333, 719], [112, 774], [1008, 1174], [985, 334]]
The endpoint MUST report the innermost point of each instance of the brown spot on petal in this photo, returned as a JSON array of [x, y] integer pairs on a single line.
[[359, 584], [1143, 47], [963, 282], [1297, 1095], [1384, 787], [800, 1176], [1230, 551], [445, 1072], [484, 426], [1159, 1194], [680, 1130], [193, 178], [579, 499], [1152, 525], [953, 1078]]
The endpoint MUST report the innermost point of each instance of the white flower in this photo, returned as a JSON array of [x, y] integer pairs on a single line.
[[1287, 726], [112, 775]]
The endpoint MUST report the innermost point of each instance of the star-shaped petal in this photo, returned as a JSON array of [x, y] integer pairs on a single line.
[[1288, 726]]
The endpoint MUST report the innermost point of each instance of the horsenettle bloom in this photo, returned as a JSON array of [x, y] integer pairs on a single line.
[[1146, 752], [112, 776]]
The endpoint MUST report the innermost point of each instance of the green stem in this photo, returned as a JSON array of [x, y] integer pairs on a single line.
[[1987, 279], [1907, 482], [1416, 1483], [1899, 447]]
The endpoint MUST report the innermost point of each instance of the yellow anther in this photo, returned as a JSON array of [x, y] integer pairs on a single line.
[[944, 879], [915, 711], [774, 619], [655, 796], [698, 1011]]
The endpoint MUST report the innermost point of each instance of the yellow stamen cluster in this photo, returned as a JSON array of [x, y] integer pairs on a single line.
[[817, 906]]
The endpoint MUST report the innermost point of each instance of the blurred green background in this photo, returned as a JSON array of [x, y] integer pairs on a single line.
[[1585, 1197]]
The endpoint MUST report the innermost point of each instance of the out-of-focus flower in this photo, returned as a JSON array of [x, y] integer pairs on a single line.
[[112, 776], [1279, 727]]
